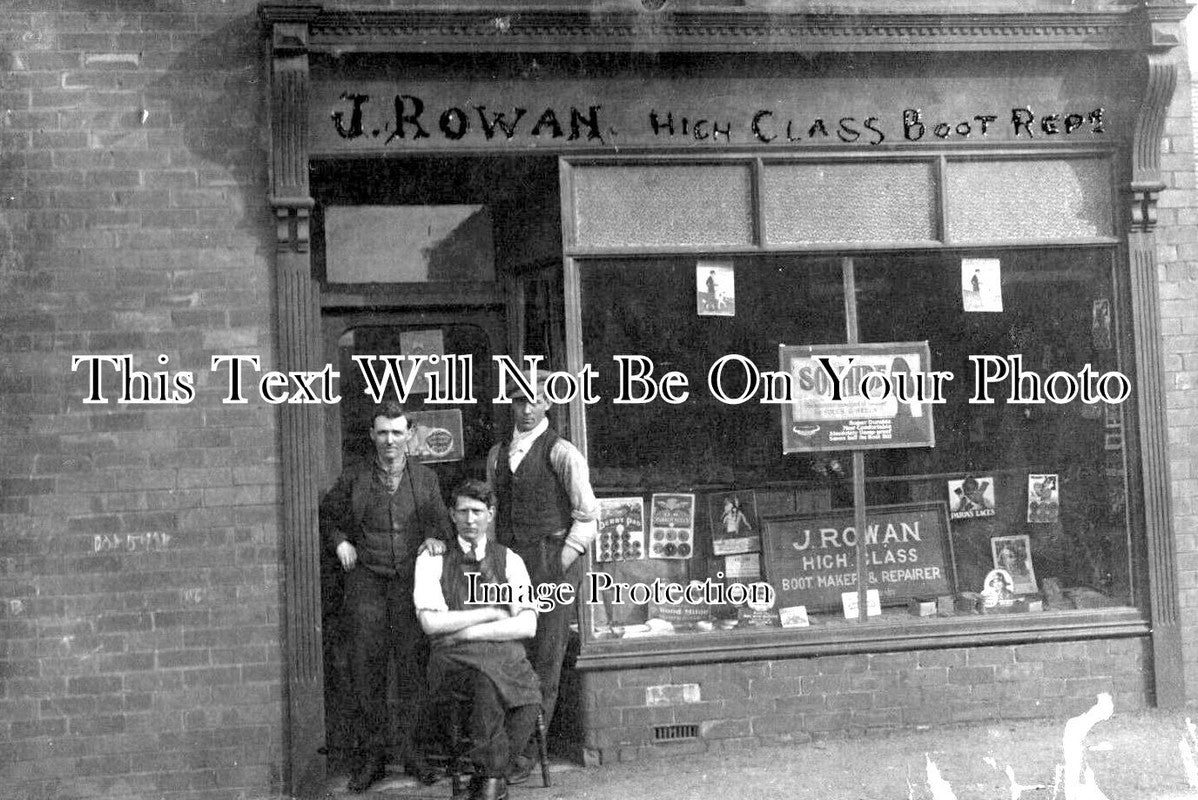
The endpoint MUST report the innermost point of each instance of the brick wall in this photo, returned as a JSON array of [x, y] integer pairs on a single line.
[[139, 589], [797, 700]]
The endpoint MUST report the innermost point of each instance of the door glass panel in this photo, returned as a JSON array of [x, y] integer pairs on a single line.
[[408, 244], [471, 357]]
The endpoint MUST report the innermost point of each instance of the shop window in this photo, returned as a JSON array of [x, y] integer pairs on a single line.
[[1039, 491]]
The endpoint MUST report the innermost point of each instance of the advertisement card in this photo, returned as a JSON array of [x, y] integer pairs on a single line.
[[621, 529], [747, 565], [971, 497], [436, 435], [715, 288], [733, 519], [794, 617], [981, 284], [672, 525], [1014, 555], [879, 397], [849, 602], [1043, 498]]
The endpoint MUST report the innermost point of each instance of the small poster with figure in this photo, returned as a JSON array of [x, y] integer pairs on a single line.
[[981, 284], [734, 527], [1013, 554], [672, 526], [971, 497], [998, 589], [1043, 498], [715, 288]]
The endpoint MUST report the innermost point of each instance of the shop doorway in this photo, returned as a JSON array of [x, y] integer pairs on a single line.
[[452, 440], [454, 256]]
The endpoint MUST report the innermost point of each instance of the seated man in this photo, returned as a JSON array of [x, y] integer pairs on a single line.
[[475, 652]]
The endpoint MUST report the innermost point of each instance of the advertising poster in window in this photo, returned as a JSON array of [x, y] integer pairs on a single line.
[[1014, 554], [621, 529], [734, 526], [436, 435], [715, 288], [672, 526], [971, 497], [858, 397], [811, 559]]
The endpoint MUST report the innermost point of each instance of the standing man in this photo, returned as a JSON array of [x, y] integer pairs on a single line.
[[547, 515], [377, 517], [477, 658]]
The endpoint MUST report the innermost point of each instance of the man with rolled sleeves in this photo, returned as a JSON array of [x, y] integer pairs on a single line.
[[377, 517], [547, 515], [477, 656]]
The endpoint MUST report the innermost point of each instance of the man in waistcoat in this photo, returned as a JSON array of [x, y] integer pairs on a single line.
[[547, 514], [476, 657], [377, 517]]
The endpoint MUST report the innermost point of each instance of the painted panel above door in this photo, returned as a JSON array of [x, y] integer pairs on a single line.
[[849, 101]]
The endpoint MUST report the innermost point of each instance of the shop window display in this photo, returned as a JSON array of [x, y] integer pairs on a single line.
[[1035, 493]]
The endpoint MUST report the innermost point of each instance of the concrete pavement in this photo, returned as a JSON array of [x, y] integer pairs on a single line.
[[1132, 756]]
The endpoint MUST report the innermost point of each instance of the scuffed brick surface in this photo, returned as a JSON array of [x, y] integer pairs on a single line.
[[139, 551], [797, 700]]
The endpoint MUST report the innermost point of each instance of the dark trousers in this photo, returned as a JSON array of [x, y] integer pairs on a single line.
[[547, 650], [383, 624], [495, 732]]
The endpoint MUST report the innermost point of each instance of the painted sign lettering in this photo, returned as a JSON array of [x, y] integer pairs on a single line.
[[810, 559], [408, 119]]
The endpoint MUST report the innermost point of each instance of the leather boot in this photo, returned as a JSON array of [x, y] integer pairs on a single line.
[[519, 769]]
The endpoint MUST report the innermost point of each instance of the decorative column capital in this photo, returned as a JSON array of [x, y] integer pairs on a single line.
[[288, 25], [291, 223], [289, 85], [1160, 79]]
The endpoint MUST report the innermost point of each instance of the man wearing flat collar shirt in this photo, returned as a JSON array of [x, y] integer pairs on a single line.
[[547, 515], [476, 656]]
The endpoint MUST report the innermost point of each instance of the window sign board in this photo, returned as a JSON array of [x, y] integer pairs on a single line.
[[858, 397], [811, 559], [437, 435]]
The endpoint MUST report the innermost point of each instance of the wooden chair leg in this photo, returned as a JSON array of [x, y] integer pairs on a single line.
[[543, 748]]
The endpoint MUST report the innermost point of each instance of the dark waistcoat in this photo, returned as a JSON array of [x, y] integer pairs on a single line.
[[454, 569], [533, 504]]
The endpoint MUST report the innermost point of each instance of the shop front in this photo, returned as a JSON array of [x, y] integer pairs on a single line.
[[854, 317]]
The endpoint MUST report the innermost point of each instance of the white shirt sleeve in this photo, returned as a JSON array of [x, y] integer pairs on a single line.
[[522, 588], [427, 594]]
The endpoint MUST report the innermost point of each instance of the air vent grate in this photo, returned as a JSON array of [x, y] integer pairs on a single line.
[[674, 733]]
